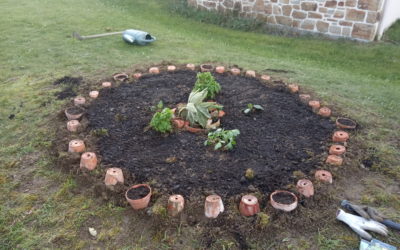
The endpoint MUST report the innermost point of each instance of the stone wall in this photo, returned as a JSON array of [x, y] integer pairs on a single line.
[[356, 19]]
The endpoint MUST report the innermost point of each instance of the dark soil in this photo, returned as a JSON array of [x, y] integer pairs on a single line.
[[346, 122], [283, 198], [137, 193], [285, 137], [75, 110], [68, 92], [68, 80], [70, 83]]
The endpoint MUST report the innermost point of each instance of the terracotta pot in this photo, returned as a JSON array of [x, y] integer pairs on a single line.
[[79, 100], [94, 94], [193, 130], [305, 187], [282, 206], [191, 66], [137, 75], [139, 203], [213, 206], [325, 112], [334, 160], [106, 84], [176, 204], [340, 136], [314, 105], [220, 69], [235, 71], [221, 113], [154, 70], [304, 98], [178, 123], [337, 149], [250, 73], [206, 67], [345, 123], [73, 116], [114, 176], [171, 68], [265, 77], [88, 160], [73, 125], [293, 88], [77, 146], [249, 205], [120, 77], [323, 176]]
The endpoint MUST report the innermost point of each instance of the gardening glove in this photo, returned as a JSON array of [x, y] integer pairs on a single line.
[[370, 213], [360, 224]]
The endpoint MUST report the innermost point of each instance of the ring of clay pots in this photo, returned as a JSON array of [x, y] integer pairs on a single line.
[[340, 136], [249, 205], [76, 146], [337, 149], [334, 160], [235, 71], [282, 206], [74, 113], [137, 75], [304, 98], [293, 88], [106, 84], [206, 68], [73, 125], [114, 176], [213, 206], [220, 69], [314, 104], [94, 94], [324, 176], [120, 77], [88, 160], [265, 77], [176, 204], [191, 66], [250, 73], [79, 100], [143, 199], [171, 68], [325, 112], [345, 123], [305, 187], [154, 70]]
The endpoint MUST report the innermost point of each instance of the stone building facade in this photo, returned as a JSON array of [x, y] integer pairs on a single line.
[[357, 19]]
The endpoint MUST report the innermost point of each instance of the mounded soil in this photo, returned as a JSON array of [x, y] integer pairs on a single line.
[[285, 137], [283, 198]]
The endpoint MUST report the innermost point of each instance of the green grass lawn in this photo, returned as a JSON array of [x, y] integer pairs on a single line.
[[360, 80]]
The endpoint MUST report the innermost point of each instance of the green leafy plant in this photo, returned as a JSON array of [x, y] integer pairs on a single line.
[[252, 107], [159, 107], [206, 81], [161, 121], [100, 132], [220, 138], [196, 111]]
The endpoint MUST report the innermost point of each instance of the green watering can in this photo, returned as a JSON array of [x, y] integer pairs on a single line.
[[130, 36]]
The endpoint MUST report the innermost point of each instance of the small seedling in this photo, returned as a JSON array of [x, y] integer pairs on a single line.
[[161, 121], [252, 108], [159, 107], [262, 220], [249, 174], [205, 81], [100, 132], [220, 138]]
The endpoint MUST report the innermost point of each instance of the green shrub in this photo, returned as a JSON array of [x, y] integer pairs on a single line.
[[206, 81], [220, 138], [161, 121]]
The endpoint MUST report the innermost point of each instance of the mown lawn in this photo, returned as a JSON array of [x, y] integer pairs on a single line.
[[361, 80]]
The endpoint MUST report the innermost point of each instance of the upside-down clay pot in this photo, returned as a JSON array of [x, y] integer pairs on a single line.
[[213, 206], [305, 187], [106, 84], [76, 146], [79, 100], [191, 66], [88, 160], [139, 203], [235, 71], [171, 68], [178, 123], [323, 176], [154, 70], [314, 105], [206, 67], [221, 113], [94, 94], [176, 204], [265, 77], [283, 206], [293, 88], [120, 77], [345, 123], [325, 112], [334, 160], [249, 205], [250, 73], [340, 136], [73, 125], [114, 176], [337, 149], [304, 98], [137, 75], [220, 69], [73, 115]]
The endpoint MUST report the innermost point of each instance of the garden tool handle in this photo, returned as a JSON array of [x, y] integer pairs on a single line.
[[391, 224]]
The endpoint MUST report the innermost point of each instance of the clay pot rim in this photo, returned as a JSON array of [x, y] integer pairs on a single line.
[[249, 199], [136, 186], [68, 113], [290, 206], [341, 125], [120, 77], [304, 182], [206, 66]]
